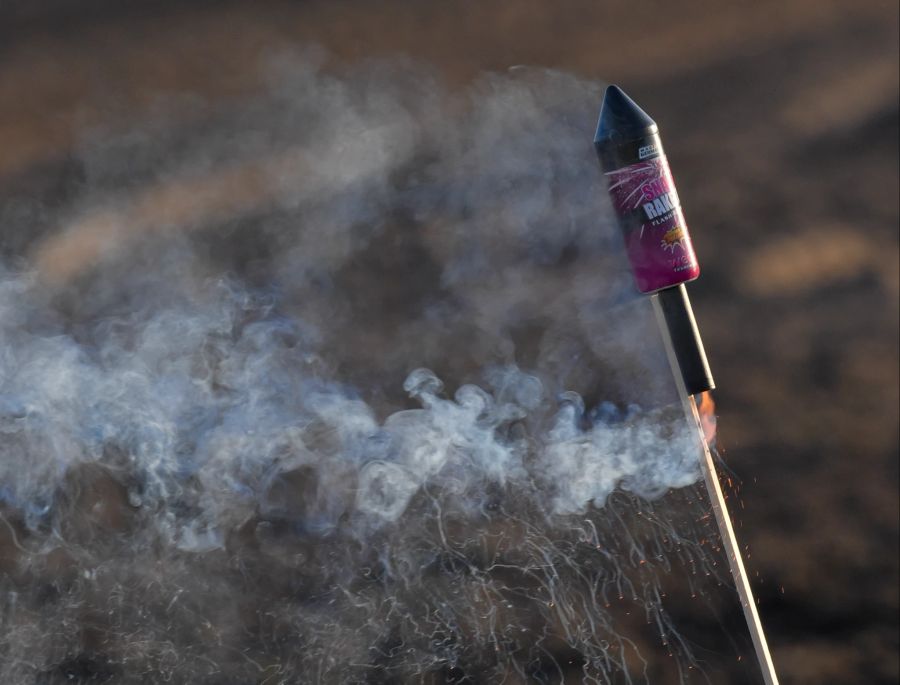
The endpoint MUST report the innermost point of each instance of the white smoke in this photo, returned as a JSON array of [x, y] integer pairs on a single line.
[[209, 356], [191, 393]]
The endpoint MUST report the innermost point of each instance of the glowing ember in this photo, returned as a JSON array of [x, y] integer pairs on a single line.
[[707, 409]]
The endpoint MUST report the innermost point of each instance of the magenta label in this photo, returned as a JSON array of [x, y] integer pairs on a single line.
[[656, 235]]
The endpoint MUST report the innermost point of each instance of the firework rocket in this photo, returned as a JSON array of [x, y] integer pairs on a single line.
[[656, 235], [662, 259]]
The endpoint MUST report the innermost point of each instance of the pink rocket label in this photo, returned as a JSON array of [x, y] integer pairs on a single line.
[[656, 235]]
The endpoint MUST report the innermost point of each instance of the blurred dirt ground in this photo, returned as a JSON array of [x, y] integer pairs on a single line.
[[781, 123]]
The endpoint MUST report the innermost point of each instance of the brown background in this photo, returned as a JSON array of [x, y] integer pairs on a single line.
[[780, 120]]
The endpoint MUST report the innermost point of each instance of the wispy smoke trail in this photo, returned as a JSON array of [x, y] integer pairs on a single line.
[[211, 467]]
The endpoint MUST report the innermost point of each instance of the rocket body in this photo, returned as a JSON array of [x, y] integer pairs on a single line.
[[643, 195], [656, 236]]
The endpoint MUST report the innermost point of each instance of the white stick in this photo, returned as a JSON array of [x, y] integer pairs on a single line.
[[720, 509]]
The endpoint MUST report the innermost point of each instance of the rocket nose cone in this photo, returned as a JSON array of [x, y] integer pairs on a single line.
[[621, 118]]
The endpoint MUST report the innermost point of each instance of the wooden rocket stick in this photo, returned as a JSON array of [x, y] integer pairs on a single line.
[[719, 507]]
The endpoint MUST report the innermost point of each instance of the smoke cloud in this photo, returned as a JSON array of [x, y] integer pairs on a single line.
[[343, 383]]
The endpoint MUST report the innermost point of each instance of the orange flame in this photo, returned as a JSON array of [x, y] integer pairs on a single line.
[[707, 410]]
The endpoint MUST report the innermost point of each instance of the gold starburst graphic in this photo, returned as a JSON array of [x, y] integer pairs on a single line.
[[673, 238]]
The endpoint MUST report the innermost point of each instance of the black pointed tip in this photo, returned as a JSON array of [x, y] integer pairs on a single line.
[[621, 119]]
